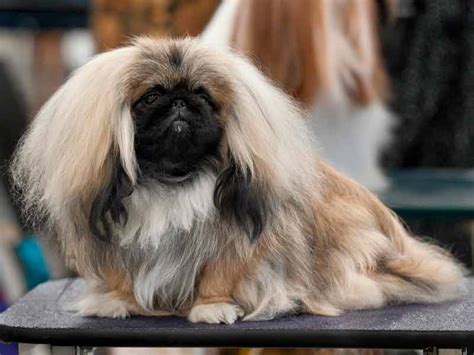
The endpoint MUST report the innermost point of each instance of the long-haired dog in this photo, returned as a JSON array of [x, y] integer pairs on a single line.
[[178, 180]]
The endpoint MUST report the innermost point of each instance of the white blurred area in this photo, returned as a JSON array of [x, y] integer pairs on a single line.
[[17, 52]]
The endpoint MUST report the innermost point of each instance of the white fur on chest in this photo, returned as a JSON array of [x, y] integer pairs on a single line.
[[156, 210], [171, 227]]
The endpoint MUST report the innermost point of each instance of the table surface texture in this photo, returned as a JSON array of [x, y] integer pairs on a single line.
[[40, 317]]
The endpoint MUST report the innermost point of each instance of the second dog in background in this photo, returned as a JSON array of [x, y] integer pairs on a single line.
[[325, 54]]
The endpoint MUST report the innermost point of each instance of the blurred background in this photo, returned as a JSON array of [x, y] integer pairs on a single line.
[[388, 86]]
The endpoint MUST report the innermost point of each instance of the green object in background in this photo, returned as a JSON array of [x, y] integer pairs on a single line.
[[434, 196], [431, 193], [31, 256]]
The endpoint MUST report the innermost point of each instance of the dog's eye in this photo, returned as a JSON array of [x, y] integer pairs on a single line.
[[204, 98], [150, 98], [202, 95]]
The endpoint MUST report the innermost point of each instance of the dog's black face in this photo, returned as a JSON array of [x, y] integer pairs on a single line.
[[177, 132]]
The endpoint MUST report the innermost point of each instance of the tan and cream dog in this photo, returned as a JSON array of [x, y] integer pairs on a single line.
[[178, 180]]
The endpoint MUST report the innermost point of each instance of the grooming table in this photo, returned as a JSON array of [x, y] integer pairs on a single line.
[[40, 318]]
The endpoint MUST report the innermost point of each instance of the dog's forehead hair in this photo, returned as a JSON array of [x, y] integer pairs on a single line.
[[171, 63]]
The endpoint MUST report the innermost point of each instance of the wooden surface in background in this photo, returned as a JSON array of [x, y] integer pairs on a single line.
[[116, 21], [48, 66]]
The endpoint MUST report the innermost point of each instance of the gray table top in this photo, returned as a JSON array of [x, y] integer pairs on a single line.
[[39, 317]]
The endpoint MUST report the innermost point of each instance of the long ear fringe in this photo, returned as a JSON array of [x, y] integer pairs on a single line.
[[63, 159], [269, 147], [240, 199], [266, 132]]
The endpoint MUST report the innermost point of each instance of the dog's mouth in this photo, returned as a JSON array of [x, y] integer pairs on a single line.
[[180, 127], [180, 130], [176, 154]]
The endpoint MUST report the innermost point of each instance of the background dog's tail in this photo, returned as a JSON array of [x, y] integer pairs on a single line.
[[422, 272]]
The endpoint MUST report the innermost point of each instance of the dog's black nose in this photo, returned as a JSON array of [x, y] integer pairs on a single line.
[[179, 103]]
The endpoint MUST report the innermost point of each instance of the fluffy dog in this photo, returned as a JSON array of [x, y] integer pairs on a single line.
[[178, 180]]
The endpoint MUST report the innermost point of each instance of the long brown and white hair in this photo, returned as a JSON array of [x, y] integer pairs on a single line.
[[177, 179], [78, 174]]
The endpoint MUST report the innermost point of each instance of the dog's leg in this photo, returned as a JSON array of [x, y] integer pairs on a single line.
[[214, 303], [359, 292], [109, 297], [105, 305]]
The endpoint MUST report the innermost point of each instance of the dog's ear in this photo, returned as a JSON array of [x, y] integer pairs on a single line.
[[266, 152], [108, 207], [64, 165], [240, 199]]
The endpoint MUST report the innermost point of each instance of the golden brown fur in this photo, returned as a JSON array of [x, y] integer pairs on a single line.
[[326, 245]]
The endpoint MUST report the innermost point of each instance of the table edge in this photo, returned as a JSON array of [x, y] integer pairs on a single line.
[[239, 338]]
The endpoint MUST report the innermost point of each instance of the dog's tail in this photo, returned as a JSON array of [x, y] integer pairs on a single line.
[[421, 272]]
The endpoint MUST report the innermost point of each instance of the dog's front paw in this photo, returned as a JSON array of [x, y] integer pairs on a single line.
[[100, 305], [215, 313]]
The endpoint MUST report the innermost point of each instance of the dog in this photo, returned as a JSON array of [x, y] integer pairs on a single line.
[[177, 179]]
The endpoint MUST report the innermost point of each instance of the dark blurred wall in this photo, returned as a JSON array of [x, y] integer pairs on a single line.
[[430, 57], [12, 123]]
